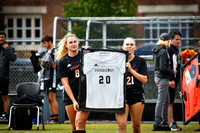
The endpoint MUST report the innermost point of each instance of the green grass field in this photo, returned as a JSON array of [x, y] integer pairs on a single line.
[[94, 128]]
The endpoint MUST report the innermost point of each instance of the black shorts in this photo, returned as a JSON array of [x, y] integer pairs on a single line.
[[172, 92], [67, 100], [134, 97], [48, 86], [4, 88]]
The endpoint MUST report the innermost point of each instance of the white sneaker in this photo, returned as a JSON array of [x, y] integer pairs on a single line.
[[175, 127], [53, 122]]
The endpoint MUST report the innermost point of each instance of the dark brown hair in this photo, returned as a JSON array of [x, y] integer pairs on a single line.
[[173, 33], [3, 33], [47, 38]]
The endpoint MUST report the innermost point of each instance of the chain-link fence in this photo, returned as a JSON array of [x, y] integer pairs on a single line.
[[22, 70], [109, 32]]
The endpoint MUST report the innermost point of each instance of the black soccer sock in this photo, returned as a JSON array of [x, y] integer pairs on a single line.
[[73, 131], [80, 131], [55, 117], [51, 117]]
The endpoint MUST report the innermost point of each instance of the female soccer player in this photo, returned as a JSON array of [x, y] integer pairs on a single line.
[[136, 76], [69, 73]]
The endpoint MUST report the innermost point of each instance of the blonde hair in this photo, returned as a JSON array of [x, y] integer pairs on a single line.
[[164, 43], [62, 49]]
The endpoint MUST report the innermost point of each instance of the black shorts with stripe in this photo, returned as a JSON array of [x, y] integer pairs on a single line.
[[66, 98], [133, 97]]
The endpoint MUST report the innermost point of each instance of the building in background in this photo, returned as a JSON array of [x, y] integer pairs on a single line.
[[29, 20], [153, 8]]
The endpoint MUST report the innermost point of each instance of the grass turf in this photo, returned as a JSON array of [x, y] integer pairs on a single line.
[[94, 128]]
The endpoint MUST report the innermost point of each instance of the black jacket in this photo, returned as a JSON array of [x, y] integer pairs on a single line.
[[173, 50], [6, 55], [161, 62]]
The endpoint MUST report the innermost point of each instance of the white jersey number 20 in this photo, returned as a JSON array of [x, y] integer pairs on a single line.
[[101, 79]]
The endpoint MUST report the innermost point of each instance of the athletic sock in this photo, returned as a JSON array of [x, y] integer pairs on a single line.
[[51, 117], [55, 117], [73, 131]]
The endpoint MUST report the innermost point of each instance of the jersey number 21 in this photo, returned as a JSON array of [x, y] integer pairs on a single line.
[[130, 80]]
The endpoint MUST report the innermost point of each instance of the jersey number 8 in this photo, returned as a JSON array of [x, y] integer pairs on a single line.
[[77, 73]]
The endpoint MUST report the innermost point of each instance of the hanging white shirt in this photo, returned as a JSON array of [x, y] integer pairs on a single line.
[[104, 72]]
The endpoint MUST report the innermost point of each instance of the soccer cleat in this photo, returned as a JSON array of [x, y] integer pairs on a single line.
[[175, 127], [47, 122]]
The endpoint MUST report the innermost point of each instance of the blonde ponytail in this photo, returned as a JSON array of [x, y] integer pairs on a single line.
[[164, 43]]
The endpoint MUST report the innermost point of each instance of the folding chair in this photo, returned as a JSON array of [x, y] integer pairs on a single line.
[[31, 89]]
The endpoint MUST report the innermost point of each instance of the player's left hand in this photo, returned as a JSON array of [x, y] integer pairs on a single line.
[[85, 47], [128, 65]]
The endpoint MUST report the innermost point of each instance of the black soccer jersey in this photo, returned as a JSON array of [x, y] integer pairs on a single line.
[[70, 67], [139, 65]]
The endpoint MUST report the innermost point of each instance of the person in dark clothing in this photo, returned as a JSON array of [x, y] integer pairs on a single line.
[[7, 54], [175, 60], [162, 74]]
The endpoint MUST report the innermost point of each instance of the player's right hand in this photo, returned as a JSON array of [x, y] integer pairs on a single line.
[[172, 84], [76, 106]]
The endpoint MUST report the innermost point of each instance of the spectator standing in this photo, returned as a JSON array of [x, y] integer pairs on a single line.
[[175, 60], [48, 77], [136, 77], [162, 74], [7, 54]]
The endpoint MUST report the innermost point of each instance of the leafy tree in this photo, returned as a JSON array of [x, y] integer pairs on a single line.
[[100, 8]]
